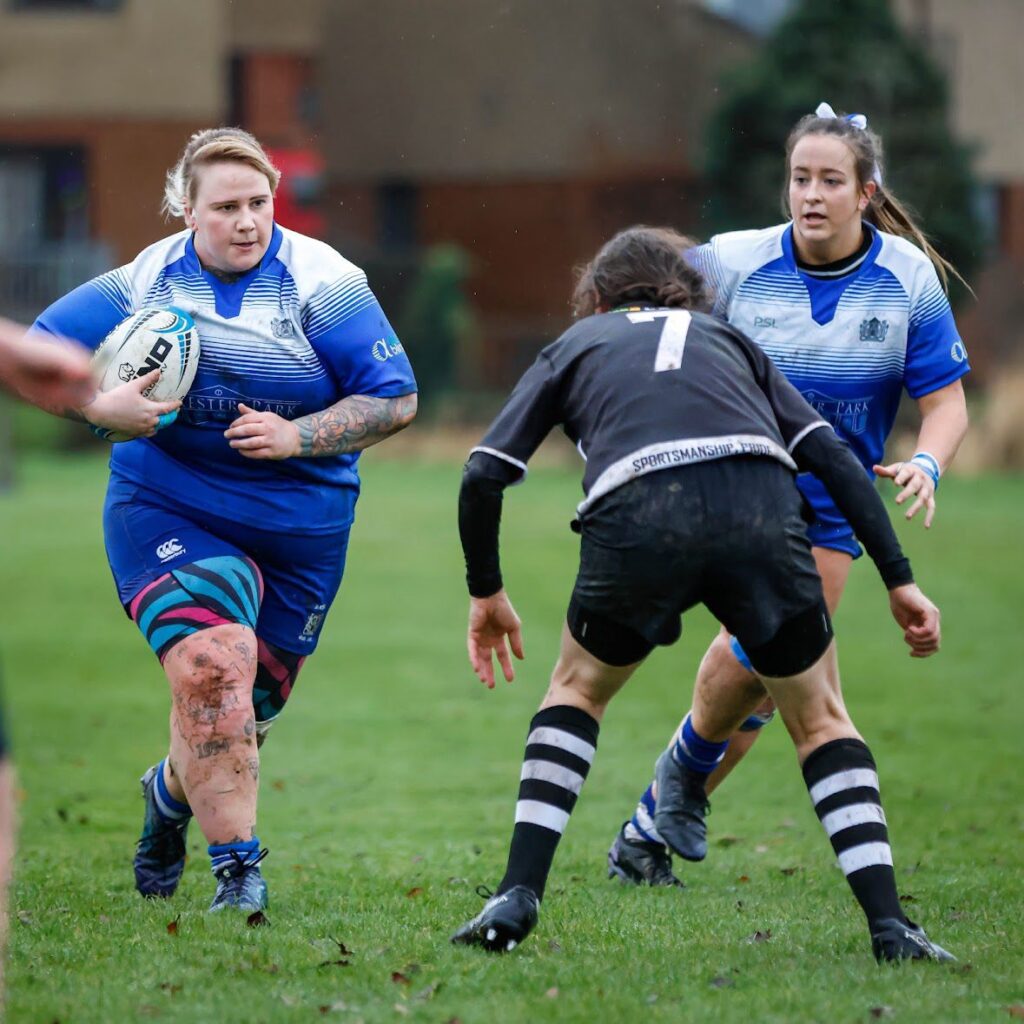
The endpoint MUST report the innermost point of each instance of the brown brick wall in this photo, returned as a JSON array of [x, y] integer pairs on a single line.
[[126, 164]]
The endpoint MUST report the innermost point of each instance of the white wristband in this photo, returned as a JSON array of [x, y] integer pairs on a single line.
[[930, 464]]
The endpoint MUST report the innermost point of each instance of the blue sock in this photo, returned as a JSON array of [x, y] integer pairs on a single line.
[[220, 856], [166, 806], [641, 825], [694, 752]]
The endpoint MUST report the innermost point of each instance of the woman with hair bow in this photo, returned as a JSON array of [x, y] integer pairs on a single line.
[[848, 298]]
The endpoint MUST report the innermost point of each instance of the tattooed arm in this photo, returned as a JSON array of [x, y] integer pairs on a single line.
[[350, 425]]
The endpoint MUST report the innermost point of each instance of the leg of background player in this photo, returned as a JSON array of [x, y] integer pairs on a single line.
[[727, 692]]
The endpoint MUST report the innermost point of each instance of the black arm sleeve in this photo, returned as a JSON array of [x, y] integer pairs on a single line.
[[824, 455], [484, 479]]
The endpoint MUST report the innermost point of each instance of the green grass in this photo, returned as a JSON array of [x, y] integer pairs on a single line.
[[388, 790]]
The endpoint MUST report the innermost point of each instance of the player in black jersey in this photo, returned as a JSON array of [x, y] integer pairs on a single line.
[[692, 438]]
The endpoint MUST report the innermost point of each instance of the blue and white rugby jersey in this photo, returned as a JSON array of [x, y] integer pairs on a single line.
[[849, 344], [294, 335]]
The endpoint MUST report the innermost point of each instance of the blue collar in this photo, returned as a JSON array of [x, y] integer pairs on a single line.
[[789, 256], [196, 267]]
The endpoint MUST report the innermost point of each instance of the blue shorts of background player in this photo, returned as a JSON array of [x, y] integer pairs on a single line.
[[828, 529]]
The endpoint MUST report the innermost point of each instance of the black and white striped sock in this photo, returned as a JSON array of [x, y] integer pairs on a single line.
[[559, 750], [843, 784]]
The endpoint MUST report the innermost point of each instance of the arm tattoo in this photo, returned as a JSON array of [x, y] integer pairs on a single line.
[[353, 424]]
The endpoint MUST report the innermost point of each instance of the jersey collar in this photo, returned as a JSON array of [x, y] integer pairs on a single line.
[[789, 256], [194, 265]]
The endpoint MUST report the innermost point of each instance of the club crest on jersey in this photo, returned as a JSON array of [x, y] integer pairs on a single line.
[[874, 329], [282, 328]]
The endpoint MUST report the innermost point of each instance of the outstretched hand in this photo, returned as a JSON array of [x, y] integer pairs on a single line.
[[916, 483], [48, 372], [492, 620], [919, 619]]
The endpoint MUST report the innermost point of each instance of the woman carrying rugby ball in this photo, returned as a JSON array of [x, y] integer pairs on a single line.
[[226, 532]]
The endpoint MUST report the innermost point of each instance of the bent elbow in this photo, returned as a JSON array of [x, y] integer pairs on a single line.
[[407, 410]]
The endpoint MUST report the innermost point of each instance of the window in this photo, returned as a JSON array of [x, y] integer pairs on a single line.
[[64, 6]]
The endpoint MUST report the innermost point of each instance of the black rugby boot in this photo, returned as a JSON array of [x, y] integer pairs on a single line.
[[681, 808], [503, 923], [640, 862], [894, 940]]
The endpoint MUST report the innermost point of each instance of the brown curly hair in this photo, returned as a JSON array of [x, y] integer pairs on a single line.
[[640, 264]]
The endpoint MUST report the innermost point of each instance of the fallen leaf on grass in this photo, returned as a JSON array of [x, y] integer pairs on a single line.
[[172, 926], [552, 993], [336, 963], [399, 978], [427, 993], [554, 946], [719, 981], [1017, 1010], [342, 948], [907, 898], [743, 878], [881, 1011], [278, 784], [760, 848], [728, 840], [25, 918], [651, 999], [760, 936], [790, 871], [415, 891], [62, 813], [257, 919], [399, 1008]]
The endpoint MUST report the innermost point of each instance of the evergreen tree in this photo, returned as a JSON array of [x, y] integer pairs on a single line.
[[854, 55]]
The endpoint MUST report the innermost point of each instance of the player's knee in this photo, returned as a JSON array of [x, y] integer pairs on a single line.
[[720, 669], [212, 679]]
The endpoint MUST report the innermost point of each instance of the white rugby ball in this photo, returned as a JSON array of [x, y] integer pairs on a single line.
[[150, 339]]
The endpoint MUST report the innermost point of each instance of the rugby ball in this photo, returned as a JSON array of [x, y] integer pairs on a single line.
[[150, 339]]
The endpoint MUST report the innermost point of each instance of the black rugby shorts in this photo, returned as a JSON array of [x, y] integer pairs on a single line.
[[727, 534]]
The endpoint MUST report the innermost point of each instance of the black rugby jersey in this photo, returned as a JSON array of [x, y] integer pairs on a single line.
[[642, 389]]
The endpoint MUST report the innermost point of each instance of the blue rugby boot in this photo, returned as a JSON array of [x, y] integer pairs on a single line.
[[160, 852], [240, 884]]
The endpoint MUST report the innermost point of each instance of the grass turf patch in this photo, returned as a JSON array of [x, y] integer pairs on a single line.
[[388, 790]]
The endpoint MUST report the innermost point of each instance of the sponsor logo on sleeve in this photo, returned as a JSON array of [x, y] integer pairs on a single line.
[[383, 349], [958, 352]]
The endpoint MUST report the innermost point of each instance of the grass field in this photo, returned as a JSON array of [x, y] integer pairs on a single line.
[[388, 790]]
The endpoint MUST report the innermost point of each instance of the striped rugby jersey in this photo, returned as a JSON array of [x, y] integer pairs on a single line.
[[849, 344], [294, 335]]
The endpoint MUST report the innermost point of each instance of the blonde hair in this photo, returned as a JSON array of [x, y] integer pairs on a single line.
[[210, 146], [885, 211]]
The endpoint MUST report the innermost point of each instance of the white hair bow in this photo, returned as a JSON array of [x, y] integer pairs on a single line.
[[825, 111]]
